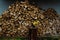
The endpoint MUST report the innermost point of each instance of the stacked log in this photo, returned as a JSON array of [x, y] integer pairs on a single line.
[[18, 18]]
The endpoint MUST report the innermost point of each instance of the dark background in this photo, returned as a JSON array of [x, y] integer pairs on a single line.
[[45, 4]]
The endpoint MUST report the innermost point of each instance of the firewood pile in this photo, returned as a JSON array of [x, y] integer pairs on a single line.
[[19, 16]]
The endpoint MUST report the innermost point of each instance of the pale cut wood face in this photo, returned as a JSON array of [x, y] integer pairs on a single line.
[[20, 16]]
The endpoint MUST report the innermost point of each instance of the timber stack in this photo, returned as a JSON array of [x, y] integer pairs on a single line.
[[18, 18]]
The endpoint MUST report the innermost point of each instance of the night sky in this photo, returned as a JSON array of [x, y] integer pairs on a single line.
[[45, 4]]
